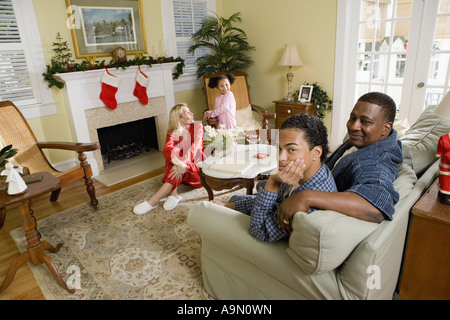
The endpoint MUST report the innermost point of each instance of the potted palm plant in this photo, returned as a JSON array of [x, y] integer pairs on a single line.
[[227, 44]]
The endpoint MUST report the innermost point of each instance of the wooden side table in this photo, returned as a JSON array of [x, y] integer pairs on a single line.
[[35, 253], [285, 109], [426, 273]]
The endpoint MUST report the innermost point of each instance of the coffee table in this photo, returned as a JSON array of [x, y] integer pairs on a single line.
[[241, 156], [36, 247]]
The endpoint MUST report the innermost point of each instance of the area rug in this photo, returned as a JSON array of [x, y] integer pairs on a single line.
[[112, 253]]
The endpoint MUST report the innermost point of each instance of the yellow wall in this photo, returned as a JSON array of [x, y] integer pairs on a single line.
[[269, 24]]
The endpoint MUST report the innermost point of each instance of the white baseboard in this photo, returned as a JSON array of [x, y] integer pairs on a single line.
[[66, 165]]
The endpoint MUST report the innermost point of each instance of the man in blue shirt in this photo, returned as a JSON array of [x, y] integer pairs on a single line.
[[364, 167], [303, 146]]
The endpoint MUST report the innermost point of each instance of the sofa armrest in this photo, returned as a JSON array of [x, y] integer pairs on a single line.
[[228, 229], [322, 240]]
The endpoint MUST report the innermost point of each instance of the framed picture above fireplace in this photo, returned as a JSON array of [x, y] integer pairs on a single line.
[[100, 26]]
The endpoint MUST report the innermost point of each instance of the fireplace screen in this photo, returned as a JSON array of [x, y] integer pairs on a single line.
[[127, 140]]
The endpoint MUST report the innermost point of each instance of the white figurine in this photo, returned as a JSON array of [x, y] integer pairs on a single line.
[[16, 184]]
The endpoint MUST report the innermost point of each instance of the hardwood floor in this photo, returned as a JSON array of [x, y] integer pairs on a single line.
[[24, 286]]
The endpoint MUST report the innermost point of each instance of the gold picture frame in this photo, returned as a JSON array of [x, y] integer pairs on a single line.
[[100, 26]]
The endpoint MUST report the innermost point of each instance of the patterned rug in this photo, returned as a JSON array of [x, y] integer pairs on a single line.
[[112, 253]]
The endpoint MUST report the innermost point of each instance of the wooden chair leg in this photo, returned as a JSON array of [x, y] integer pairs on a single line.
[[91, 192], [2, 216], [55, 194]]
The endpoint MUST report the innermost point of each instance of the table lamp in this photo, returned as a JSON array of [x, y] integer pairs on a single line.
[[290, 59], [443, 149]]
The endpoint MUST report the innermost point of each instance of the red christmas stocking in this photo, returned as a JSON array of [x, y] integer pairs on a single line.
[[110, 85], [140, 90]]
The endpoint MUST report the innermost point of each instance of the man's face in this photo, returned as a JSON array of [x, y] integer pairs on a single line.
[[367, 125], [293, 146]]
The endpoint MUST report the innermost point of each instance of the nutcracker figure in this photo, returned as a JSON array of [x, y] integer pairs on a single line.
[[443, 150]]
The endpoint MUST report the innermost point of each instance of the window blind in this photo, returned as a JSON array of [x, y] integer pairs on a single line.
[[188, 16], [15, 83]]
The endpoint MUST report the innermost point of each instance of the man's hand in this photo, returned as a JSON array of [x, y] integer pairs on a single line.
[[289, 207], [348, 203], [291, 175]]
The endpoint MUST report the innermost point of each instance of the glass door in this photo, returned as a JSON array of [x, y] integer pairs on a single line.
[[399, 47], [429, 74], [404, 50], [384, 33]]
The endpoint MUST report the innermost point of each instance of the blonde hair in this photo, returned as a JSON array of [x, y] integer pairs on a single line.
[[174, 119]]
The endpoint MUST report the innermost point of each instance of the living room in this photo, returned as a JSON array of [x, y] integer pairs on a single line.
[[313, 26]]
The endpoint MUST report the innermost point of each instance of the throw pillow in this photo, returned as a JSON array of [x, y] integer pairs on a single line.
[[420, 141], [245, 119], [322, 240]]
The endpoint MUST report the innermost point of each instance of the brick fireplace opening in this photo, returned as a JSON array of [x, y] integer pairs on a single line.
[[127, 140]]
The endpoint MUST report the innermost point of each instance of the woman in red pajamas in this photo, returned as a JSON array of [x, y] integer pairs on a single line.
[[183, 149]]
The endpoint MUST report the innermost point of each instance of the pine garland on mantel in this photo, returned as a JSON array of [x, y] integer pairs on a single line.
[[61, 63]]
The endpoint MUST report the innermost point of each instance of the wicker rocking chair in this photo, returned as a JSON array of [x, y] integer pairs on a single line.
[[15, 130]]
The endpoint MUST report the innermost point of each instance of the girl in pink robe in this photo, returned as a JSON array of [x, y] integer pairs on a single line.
[[225, 104]]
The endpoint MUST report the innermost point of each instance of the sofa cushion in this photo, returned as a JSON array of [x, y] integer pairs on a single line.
[[420, 141], [404, 182], [322, 240], [401, 126]]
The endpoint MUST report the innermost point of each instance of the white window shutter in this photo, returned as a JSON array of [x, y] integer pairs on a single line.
[[188, 15], [15, 83]]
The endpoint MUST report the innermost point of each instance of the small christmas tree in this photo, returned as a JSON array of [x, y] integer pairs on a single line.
[[60, 62], [61, 50]]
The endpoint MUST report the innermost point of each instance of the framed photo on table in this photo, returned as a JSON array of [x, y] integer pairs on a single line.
[[305, 93], [100, 26]]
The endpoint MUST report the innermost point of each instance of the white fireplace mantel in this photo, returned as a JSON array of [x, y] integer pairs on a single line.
[[82, 90]]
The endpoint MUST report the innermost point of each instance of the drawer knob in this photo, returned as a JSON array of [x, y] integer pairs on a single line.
[[289, 111]]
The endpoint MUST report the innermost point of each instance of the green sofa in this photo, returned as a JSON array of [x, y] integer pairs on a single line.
[[328, 255]]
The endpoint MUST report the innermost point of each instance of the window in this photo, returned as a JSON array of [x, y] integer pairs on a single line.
[[16, 85], [402, 48], [182, 18], [20, 76], [188, 16]]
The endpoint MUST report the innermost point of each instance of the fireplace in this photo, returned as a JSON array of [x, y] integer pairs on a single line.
[[87, 113], [127, 140]]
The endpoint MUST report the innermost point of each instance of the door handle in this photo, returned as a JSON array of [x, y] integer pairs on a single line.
[[420, 85]]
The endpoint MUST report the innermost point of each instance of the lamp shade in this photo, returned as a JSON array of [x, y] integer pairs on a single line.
[[290, 56], [443, 108]]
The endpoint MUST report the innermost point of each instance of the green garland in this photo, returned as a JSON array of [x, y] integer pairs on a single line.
[[58, 67]]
